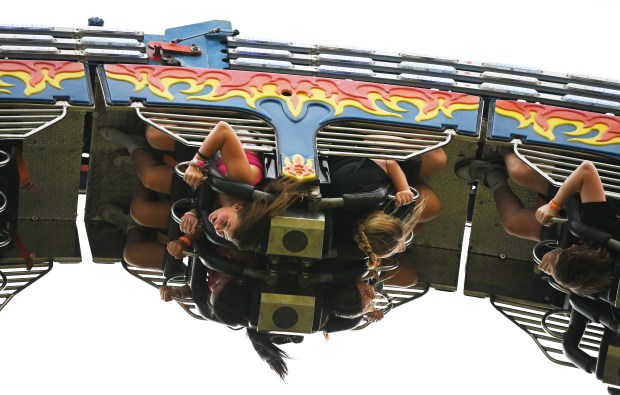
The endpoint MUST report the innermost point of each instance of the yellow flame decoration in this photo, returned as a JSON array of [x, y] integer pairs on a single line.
[[526, 122], [26, 77], [319, 95], [601, 128], [6, 85], [168, 82], [549, 134], [295, 104]]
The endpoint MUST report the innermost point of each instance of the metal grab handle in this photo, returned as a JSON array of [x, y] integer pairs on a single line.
[[547, 315], [5, 158], [5, 238], [178, 280], [550, 244], [181, 173], [174, 206], [386, 307], [416, 194], [4, 201], [558, 220]]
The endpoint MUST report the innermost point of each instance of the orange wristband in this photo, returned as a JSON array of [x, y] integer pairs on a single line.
[[185, 240], [554, 206]]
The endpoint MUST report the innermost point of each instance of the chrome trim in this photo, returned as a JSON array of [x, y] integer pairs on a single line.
[[367, 140], [556, 164], [19, 121], [191, 126]]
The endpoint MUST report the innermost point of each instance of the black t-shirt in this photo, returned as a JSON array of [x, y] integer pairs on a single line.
[[351, 175], [600, 215]]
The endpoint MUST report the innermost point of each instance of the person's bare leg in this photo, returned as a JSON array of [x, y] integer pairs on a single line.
[[433, 162], [523, 175], [154, 175], [405, 276], [516, 219], [147, 210], [159, 140], [431, 209], [142, 252], [433, 204]]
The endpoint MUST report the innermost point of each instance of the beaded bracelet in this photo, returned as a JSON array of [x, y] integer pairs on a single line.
[[554, 206], [197, 163]]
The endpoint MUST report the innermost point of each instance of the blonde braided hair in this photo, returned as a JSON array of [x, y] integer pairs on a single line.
[[364, 245], [379, 235]]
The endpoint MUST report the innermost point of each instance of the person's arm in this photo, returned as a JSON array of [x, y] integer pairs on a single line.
[[178, 246], [189, 222], [223, 139], [399, 180], [584, 180], [166, 293]]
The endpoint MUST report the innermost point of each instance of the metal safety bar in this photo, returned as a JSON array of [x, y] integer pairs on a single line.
[[156, 279], [556, 164], [546, 326], [191, 126], [381, 141], [19, 121], [15, 278]]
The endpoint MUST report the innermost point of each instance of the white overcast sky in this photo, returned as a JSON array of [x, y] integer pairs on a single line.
[[94, 329]]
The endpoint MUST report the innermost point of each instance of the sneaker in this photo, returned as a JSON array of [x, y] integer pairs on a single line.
[[122, 160], [115, 215], [478, 170], [120, 139]]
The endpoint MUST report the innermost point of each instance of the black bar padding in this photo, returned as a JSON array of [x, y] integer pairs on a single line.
[[570, 343], [338, 324], [597, 311], [232, 188], [365, 200], [231, 267], [588, 233], [221, 264]]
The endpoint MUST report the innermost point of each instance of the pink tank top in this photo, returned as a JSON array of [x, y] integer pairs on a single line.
[[254, 159]]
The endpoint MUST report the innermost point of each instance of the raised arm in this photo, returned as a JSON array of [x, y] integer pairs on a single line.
[[399, 180], [223, 139], [585, 181]]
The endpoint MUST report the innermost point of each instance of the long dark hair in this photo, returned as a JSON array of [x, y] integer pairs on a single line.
[[584, 269], [269, 352], [232, 307], [255, 217], [344, 300]]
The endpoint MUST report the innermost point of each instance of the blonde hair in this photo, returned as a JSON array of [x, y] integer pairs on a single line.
[[379, 234]]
